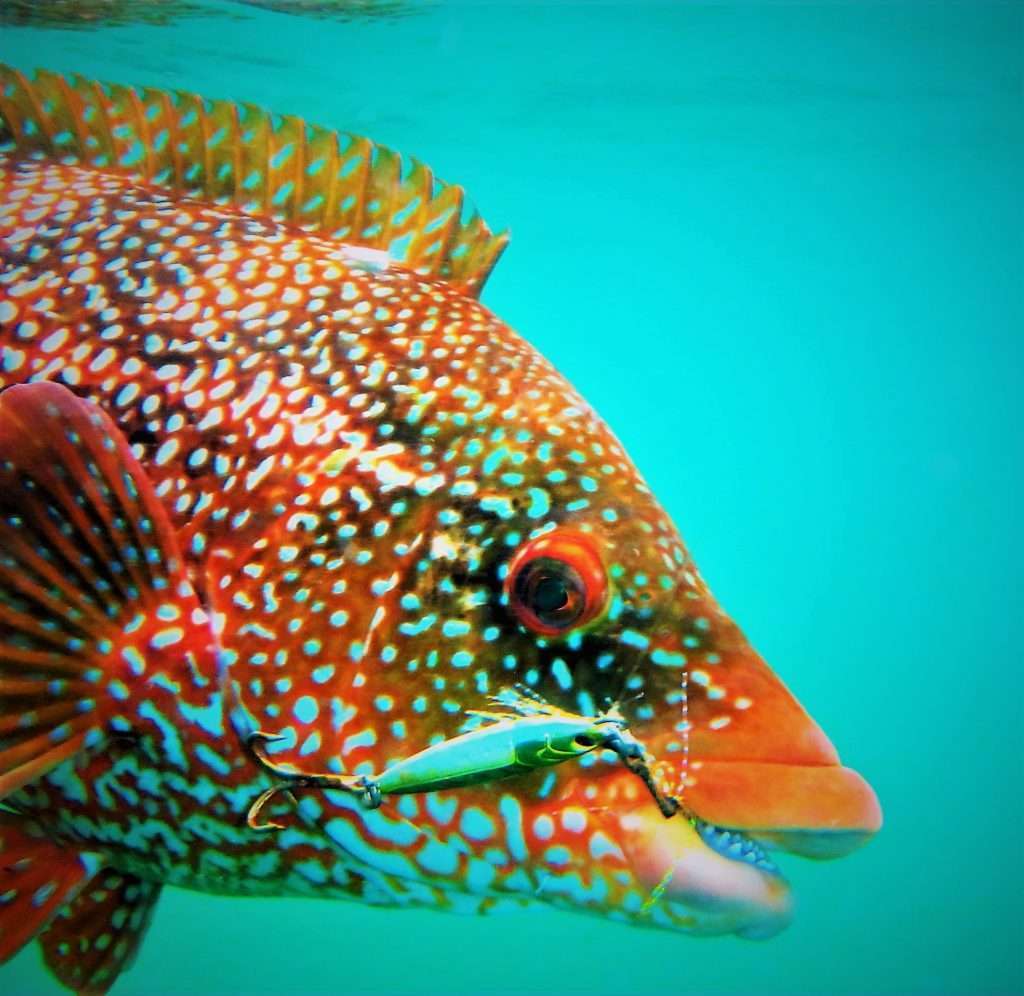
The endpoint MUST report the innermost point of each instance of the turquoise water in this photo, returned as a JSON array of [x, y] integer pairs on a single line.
[[779, 248]]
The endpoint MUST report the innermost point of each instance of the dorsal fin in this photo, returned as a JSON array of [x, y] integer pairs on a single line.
[[336, 184]]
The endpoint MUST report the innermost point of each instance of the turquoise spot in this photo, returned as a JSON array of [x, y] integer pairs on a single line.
[[476, 824], [118, 690], [667, 658], [560, 672], [540, 503], [306, 709], [512, 814], [501, 507], [455, 627], [441, 859], [479, 875], [211, 759], [495, 459], [415, 629], [134, 659], [43, 893], [441, 808], [632, 638], [311, 744], [557, 855]]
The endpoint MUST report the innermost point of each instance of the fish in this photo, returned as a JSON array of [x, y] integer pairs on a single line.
[[285, 511]]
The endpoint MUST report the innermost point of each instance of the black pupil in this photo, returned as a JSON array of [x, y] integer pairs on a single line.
[[550, 595], [552, 590]]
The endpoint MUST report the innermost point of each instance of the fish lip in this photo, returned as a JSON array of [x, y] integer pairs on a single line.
[[696, 886], [817, 811]]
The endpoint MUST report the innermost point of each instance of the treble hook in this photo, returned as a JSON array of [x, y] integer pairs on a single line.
[[356, 784]]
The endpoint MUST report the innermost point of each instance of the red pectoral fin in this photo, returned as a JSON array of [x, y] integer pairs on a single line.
[[37, 878], [94, 599], [97, 936]]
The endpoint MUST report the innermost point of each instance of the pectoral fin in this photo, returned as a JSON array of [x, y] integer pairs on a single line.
[[95, 605], [37, 878], [97, 936]]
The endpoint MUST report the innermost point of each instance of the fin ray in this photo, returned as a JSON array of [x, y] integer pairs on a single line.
[[340, 185]]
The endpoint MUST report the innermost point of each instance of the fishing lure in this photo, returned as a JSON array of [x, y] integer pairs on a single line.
[[536, 735]]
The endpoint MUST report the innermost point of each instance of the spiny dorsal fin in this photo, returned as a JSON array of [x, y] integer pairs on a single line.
[[333, 183]]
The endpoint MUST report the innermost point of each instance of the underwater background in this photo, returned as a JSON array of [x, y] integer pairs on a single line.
[[779, 247]]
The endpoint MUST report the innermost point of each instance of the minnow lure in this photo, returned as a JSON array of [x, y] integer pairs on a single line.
[[510, 745], [267, 464]]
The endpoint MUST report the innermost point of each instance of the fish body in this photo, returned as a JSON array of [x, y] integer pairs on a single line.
[[266, 463]]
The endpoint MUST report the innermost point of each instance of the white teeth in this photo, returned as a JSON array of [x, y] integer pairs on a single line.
[[735, 845]]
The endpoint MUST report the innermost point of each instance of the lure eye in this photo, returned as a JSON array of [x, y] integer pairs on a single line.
[[557, 582]]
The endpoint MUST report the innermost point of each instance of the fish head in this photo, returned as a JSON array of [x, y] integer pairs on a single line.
[[553, 568]]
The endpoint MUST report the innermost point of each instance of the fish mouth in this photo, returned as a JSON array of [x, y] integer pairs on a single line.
[[735, 845], [711, 868]]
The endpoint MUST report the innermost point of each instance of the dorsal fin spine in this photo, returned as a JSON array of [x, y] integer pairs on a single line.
[[170, 122], [105, 134], [299, 166], [363, 161], [202, 126], [139, 112], [329, 205]]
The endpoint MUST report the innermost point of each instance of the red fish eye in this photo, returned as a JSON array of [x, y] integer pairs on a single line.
[[557, 582]]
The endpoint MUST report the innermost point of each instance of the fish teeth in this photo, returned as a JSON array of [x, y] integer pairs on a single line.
[[735, 845]]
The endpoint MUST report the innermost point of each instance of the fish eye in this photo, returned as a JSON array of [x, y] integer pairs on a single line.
[[557, 582]]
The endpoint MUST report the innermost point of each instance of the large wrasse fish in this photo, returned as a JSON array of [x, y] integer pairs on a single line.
[[279, 496]]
